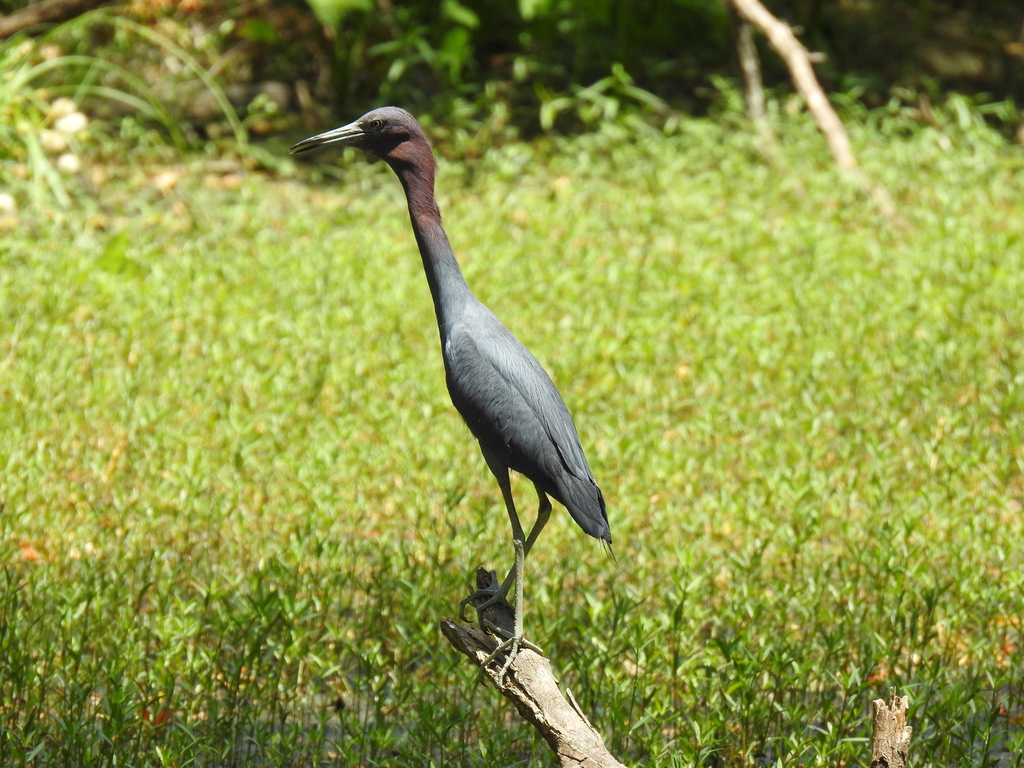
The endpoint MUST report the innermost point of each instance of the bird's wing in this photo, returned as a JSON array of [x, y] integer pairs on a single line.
[[508, 399], [514, 410]]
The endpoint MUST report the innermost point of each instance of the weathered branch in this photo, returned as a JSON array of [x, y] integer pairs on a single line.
[[753, 89], [750, 66], [785, 43], [533, 689], [890, 734], [782, 39], [46, 12]]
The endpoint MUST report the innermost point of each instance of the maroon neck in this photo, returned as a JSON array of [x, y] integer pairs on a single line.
[[415, 166]]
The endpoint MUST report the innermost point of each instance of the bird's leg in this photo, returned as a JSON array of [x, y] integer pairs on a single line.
[[522, 548], [498, 594], [522, 544], [543, 515], [512, 644], [517, 575]]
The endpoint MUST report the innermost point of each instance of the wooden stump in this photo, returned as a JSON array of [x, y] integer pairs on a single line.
[[532, 689], [890, 734]]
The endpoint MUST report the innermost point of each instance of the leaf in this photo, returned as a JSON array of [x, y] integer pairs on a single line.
[[460, 14], [529, 9], [331, 12], [455, 47], [115, 259], [258, 31], [115, 254]]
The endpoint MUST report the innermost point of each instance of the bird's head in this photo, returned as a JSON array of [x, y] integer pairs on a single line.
[[390, 133]]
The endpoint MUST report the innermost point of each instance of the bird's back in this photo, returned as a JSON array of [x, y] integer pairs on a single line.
[[516, 413]]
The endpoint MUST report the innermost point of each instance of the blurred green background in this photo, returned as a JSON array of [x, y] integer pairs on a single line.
[[235, 499]]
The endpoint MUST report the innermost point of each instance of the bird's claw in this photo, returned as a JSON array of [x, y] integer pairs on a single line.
[[511, 646], [521, 642], [488, 593], [481, 600], [497, 616]]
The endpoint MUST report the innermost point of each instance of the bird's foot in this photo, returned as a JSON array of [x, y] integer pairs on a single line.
[[498, 617], [511, 647], [486, 598]]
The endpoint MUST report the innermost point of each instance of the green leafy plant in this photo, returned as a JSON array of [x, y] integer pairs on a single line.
[[41, 134], [235, 500], [50, 98], [601, 102]]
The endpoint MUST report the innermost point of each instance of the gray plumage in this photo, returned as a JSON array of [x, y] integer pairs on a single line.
[[504, 395], [514, 410]]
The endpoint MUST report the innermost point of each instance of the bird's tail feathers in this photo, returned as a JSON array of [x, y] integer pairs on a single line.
[[585, 503], [607, 546]]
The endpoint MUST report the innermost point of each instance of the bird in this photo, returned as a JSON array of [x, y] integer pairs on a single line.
[[502, 392]]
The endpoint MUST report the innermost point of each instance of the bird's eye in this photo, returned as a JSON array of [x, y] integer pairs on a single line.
[[376, 124]]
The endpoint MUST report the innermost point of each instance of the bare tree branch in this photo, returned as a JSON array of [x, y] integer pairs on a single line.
[[798, 60], [750, 66], [46, 12]]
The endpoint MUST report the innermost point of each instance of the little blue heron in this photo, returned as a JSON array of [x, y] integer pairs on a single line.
[[504, 395]]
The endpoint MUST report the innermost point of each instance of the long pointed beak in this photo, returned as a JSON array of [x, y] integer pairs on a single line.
[[343, 136]]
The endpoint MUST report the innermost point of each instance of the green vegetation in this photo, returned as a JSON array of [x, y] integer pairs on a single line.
[[522, 60], [60, 103], [522, 68], [236, 500]]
